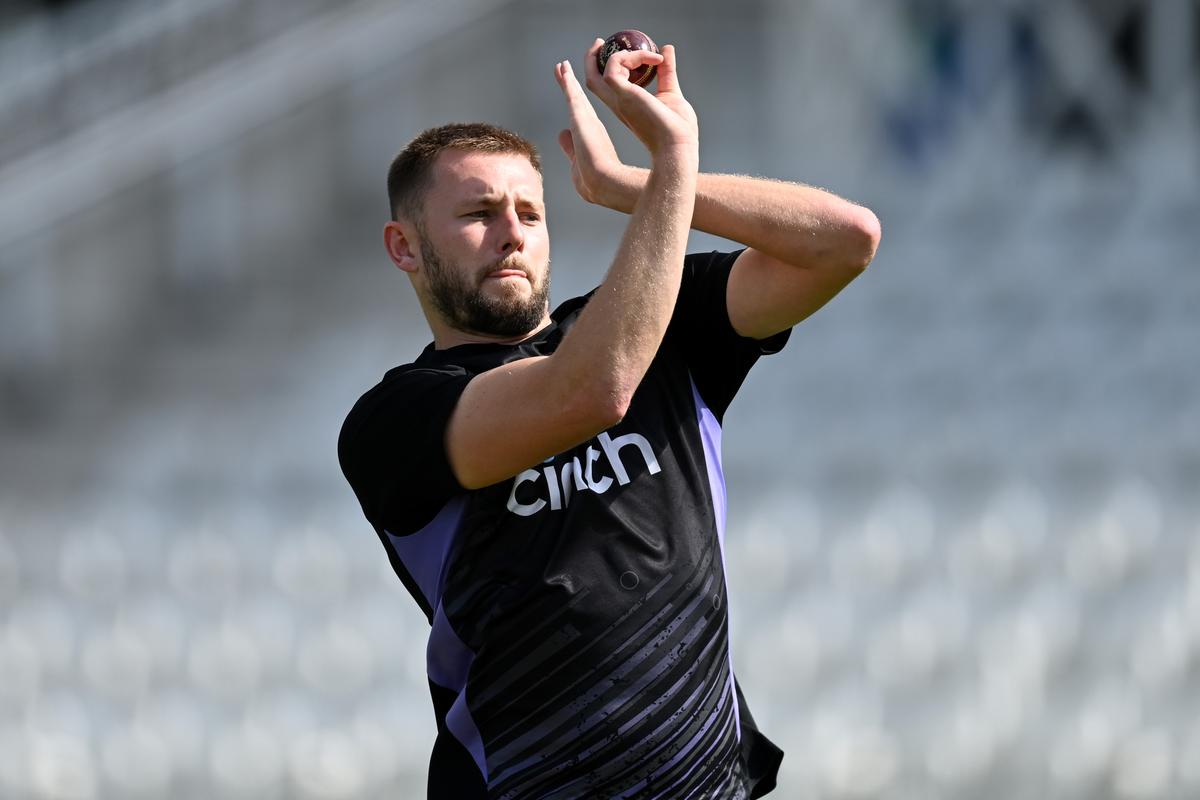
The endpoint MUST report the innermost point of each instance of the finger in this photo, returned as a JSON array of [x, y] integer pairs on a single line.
[[578, 104], [668, 75], [566, 79], [591, 70], [567, 143], [595, 78], [588, 134], [632, 59], [559, 76], [621, 64]]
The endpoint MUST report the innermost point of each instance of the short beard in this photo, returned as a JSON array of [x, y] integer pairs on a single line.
[[466, 308]]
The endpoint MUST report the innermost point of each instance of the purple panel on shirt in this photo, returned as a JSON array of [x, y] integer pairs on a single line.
[[424, 552], [448, 662], [447, 659], [462, 725], [710, 435]]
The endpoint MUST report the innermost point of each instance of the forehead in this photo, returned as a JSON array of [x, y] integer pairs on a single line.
[[459, 175]]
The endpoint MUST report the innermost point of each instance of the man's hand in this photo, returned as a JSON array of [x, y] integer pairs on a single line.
[[612, 85], [596, 169], [663, 121]]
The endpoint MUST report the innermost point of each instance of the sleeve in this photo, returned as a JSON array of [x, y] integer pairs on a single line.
[[718, 358], [392, 448]]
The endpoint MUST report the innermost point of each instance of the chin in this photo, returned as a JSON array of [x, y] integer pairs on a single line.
[[509, 289]]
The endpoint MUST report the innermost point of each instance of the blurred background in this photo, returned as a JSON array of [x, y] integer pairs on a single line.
[[964, 519]]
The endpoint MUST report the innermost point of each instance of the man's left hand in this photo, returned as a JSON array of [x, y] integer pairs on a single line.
[[597, 172]]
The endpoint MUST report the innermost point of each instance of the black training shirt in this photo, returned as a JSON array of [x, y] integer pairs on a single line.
[[579, 628]]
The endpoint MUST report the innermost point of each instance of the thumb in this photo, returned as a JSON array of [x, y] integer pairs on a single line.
[[668, 74], [567, 143]]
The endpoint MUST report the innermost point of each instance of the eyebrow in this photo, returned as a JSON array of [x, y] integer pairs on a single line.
[[496, 199]]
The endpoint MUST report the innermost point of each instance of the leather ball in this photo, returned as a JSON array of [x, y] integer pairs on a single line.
[[629, 40]]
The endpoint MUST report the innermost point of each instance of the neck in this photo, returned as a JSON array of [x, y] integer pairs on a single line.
[[445, 337]]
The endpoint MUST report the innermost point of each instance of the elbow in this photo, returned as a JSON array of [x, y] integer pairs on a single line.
[[866, 233], [611, 406], [597, 406], [609, 417]]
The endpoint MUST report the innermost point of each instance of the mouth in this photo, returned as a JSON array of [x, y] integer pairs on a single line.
[[507, 273]]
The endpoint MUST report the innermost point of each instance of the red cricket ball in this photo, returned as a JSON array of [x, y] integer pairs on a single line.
[[629, 40]]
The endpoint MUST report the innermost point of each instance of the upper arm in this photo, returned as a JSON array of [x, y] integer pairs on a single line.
[[515, 416], [391, 447], [765, 295]]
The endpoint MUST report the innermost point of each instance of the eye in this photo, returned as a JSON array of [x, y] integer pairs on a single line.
[[482, 213], [531, 216]]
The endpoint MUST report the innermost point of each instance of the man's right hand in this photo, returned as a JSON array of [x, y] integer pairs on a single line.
[[664, 121], [616, 91]]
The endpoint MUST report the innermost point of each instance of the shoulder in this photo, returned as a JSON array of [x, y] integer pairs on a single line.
[[712, 259], [566, 312], [405, 384], [391, 448], [706, 272], [404, 396], [703, 286]]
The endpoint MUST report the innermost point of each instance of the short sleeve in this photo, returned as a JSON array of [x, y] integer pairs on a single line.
[[718, 358], [392, 447]]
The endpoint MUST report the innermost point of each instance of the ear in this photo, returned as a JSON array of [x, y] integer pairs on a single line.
[[400, 245]]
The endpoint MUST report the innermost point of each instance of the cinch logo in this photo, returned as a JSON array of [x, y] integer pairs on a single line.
[[576, 475]]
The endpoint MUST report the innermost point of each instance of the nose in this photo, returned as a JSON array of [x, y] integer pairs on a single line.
[[510, 233]]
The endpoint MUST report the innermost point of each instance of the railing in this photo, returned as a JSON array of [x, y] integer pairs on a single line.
[[173, 113]]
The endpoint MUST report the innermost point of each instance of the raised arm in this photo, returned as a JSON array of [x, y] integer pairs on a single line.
[[804, 244], [514, 416]]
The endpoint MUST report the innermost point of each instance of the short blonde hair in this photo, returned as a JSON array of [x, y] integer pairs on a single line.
[[409, 176]]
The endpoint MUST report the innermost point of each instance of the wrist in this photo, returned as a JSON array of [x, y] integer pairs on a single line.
[[673, 177], [622, 187], [681, 158]]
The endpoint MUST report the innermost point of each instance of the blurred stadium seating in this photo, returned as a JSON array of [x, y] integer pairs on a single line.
[[965, 518]]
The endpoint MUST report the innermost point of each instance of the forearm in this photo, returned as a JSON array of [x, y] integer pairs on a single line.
[[618, 334], [791, 222]]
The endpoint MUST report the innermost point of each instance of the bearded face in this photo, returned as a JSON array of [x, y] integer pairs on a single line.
[[461, 298]]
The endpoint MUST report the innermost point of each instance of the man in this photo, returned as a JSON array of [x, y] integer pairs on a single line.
[[548, 486]]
